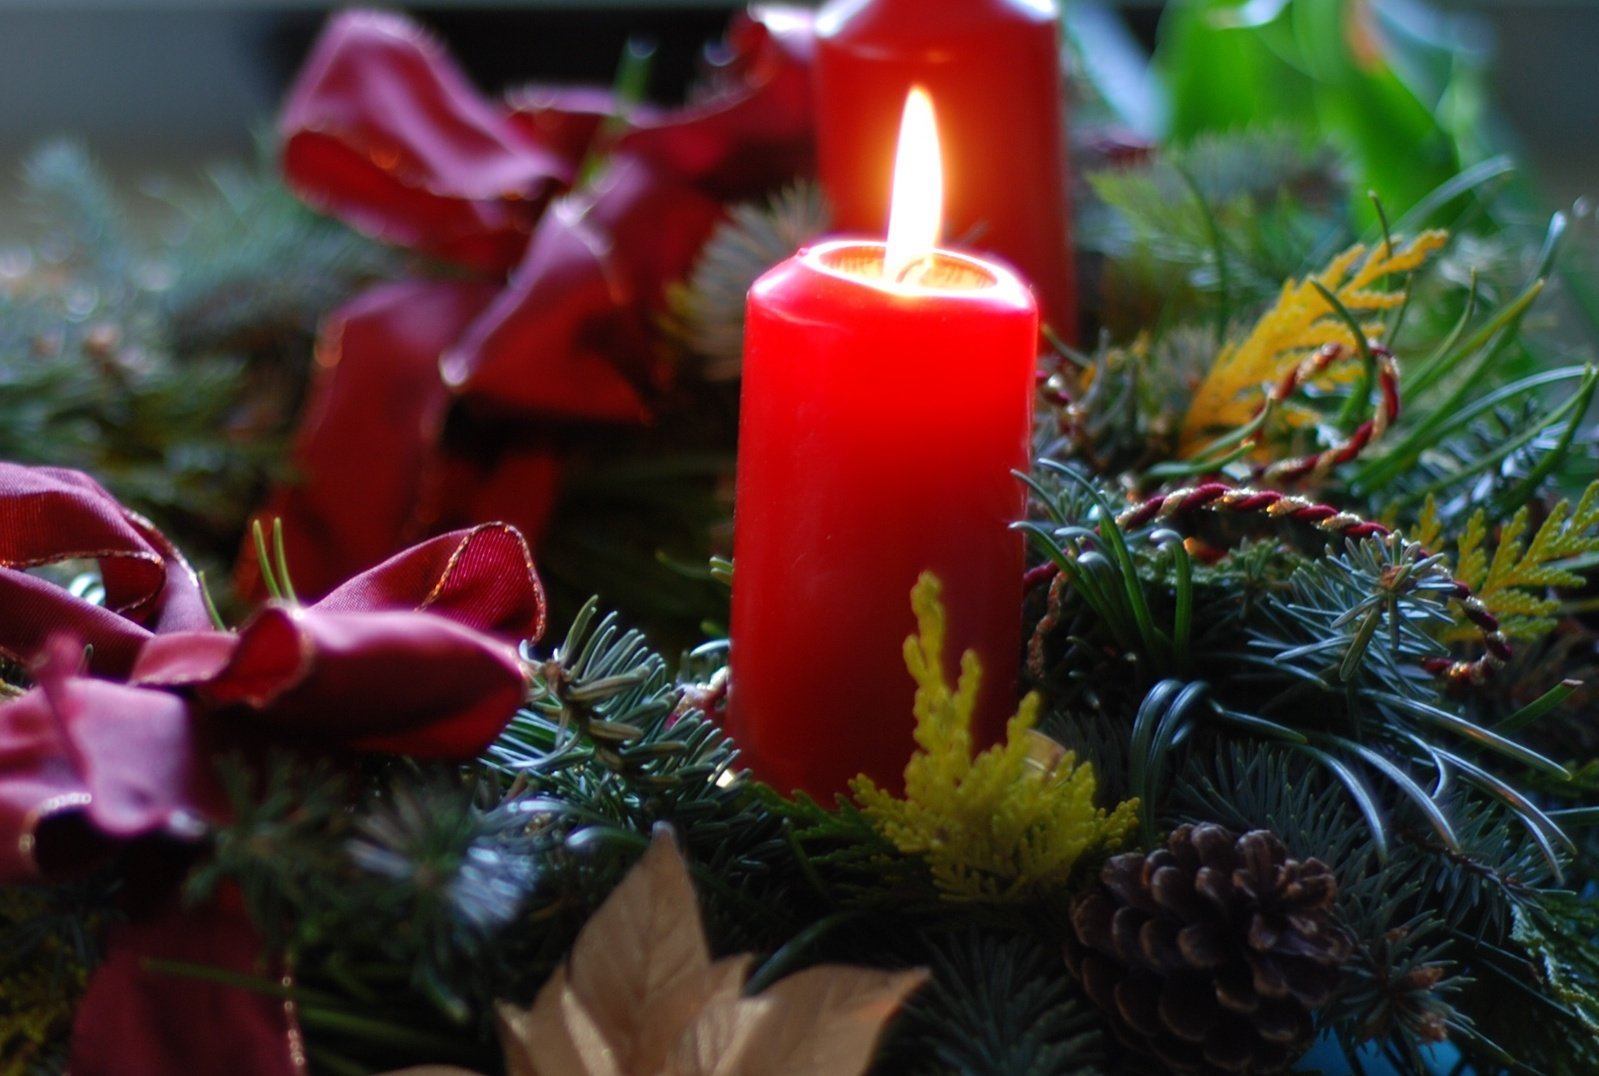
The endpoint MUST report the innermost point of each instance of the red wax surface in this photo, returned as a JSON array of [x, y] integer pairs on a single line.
[[879, 427], [992, 68]]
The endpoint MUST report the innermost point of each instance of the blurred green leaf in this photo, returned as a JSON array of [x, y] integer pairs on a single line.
[[1337, 69]]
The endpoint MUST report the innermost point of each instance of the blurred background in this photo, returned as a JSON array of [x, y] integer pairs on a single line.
[[161, 87]]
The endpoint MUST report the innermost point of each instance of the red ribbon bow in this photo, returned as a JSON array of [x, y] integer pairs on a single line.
[[552, 322], [413, 656]]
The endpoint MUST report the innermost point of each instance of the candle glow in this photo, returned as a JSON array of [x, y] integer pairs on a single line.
[[993, 68], [886, 403], [916, 205]]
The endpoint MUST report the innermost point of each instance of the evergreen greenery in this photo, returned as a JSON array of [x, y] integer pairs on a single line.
[[1245, 668], [170, 369]]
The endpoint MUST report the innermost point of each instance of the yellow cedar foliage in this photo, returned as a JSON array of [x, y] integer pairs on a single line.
[[1514, 581], [1299, 323], [1429, 529], [999, 826]]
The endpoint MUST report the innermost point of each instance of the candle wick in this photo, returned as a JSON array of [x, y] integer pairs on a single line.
[[914, 263]]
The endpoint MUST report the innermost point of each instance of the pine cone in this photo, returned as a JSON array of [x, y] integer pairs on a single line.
[[1210, 953]]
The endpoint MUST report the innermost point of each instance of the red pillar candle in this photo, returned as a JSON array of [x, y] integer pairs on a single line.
[[993, 70], [880, 422]]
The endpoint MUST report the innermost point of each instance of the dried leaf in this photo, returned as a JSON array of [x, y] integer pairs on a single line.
[[719, 985], [642, 949], [714, 1044], [824, 1020], [639, 996], [566, 1036]]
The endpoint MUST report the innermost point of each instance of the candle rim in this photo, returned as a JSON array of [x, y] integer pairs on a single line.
[[993, 279]]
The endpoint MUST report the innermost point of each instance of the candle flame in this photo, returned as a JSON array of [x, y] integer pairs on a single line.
[[917, 205]]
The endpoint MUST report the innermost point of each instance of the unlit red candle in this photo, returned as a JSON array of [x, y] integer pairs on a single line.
[[882, 418]]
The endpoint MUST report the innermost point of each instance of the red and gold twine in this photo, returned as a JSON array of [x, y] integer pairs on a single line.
[[1276, 505], [1314, 467]]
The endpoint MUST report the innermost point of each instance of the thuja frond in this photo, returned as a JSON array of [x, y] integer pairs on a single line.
[[998, 1004], [1514, 582], [1302, 320], [1006, 824], [1559, 932]]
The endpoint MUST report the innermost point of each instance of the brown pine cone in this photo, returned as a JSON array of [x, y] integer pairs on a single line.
[[1211, 953]]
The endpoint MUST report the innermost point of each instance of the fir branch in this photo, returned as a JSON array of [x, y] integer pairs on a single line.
[[451, 875], [229, 291], [1244, 206], [1119, 409], [608, 745], [105, 363], [999, 1004], [1401, 985], [1451, 476], [1245, 785], [1333, 667], [849, 863], [1421, 917], [283, 846]]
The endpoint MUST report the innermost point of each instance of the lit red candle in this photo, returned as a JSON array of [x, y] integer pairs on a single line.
[[887, 397], [993, 69]]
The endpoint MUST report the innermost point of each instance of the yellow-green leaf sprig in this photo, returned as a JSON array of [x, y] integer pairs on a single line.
[[1301, 321], [1514, 582], [1002, 825]]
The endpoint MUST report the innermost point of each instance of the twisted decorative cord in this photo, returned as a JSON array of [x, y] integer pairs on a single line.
[[1273, 504], [1315, 466]]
